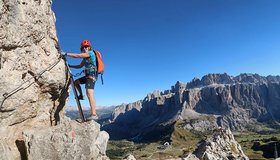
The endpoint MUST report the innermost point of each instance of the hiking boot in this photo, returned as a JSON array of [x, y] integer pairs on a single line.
[[92, 117], [81, 97]]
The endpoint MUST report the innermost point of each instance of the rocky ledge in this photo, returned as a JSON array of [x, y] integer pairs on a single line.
[[69, 140], [221, 145]]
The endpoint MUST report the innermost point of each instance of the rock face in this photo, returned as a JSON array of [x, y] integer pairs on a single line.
[[216, 100], [130, 157], [70, 140], [33, 81], [221, 145], [28, 47]]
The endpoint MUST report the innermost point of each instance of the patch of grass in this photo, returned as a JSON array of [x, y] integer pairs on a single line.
[[119, 149], [184, 138], [233, 148], [182, 142], [246, 140]]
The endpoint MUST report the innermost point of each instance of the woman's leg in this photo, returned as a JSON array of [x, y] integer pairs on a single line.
[[90, 95], [77, 84]]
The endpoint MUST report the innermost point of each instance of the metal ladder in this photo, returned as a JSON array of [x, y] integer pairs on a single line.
[[75, 91]]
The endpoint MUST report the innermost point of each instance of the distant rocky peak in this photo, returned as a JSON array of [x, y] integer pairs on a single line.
[[224, 78], [194, 83], [179, 86], [211, 79], [273, 79], [217, 79], [250, 78], [214, 79], [153, 95]]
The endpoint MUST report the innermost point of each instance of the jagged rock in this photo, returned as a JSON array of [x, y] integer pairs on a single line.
[[129, 157], [216, 100], [250, 78], [120, 110], [194, 83], [216, 79], [28, 46], [211, 79], [179, 86], [203, 123], [189, 157], [69, 140], [153, 95], [221, 145], [33, 81]]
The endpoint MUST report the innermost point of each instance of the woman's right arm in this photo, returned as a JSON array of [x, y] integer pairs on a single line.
[[78, 66]]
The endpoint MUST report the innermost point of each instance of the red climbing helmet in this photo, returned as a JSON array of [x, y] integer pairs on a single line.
[[85, 43]]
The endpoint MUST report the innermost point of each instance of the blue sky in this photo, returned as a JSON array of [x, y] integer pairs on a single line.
[[148, 45]]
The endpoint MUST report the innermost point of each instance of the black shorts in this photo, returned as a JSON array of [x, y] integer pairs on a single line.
[[90, 83]]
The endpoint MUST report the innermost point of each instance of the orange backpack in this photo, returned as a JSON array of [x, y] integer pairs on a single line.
[[99, 64]]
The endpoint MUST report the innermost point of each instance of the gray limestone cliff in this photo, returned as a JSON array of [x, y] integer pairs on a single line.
[[215, 100], [33, 86]]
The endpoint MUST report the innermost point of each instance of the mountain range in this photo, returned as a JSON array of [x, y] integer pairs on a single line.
[[247, 102]]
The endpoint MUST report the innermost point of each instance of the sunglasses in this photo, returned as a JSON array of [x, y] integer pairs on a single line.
[[82, 48]]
